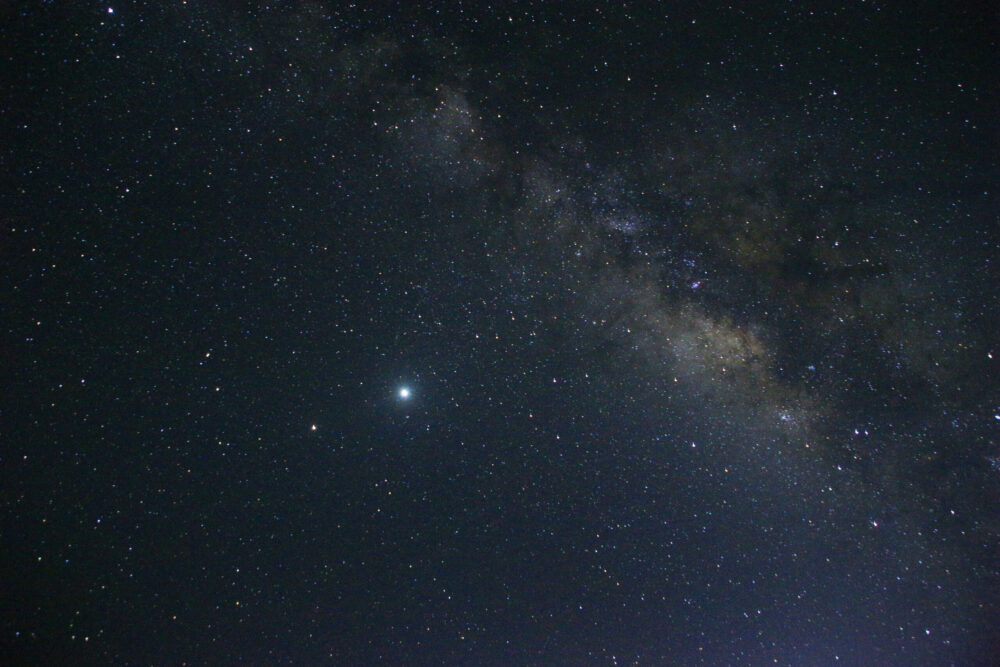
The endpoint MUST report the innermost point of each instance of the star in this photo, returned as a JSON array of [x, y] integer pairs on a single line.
[[404, 392]]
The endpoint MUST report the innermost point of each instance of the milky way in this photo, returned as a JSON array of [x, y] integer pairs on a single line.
[[501, 335]]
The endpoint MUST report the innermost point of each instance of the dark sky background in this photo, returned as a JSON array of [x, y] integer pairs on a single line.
[[696, 305]]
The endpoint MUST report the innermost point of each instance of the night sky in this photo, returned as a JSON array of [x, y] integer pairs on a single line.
[[521, 333]]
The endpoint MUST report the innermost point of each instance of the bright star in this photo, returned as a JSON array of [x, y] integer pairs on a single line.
[[404, 392]]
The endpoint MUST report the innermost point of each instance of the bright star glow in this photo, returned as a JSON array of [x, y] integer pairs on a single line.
[[404, 392]]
